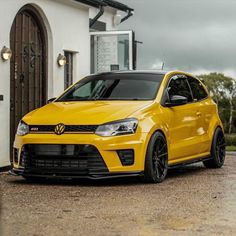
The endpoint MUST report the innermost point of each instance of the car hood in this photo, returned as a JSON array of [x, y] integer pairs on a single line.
[[84, 112]]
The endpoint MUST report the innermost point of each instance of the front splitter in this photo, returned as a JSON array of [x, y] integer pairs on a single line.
[[23, 173]]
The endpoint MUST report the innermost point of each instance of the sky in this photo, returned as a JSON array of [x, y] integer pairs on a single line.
[[198, 36]]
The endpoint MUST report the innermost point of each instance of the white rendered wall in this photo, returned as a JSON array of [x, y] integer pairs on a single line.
[[67, 27]]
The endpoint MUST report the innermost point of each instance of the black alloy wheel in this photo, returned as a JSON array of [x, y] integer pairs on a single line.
[[156, 163], [217, 150]]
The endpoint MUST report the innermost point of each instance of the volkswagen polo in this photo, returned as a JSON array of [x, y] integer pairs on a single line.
[[115, 124]]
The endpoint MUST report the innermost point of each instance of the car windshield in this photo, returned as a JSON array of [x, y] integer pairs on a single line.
[[117, 86]]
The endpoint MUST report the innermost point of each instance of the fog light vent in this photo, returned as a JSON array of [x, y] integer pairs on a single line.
[[15, 155], [22, 157], [126, 157]]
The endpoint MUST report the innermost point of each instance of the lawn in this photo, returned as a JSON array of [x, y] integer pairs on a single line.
[[230, 148]]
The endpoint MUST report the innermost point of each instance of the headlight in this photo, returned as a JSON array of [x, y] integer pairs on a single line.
[[121, 127], [22, 128]]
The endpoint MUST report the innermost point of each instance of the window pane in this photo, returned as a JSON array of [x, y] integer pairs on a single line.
[[68, 77], [115, 87], [179, 86], [110, 52], [198, 90]]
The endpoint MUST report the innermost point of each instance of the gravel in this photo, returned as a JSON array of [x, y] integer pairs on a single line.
[[192, 200]]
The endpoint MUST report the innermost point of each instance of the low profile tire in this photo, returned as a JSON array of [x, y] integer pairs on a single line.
[[217, 150], [156, 162]]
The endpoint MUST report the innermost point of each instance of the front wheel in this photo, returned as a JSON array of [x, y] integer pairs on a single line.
[[217, 150], [156, 162]]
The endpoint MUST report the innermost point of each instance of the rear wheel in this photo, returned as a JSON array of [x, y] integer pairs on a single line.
[[217, 150], [156, 163]]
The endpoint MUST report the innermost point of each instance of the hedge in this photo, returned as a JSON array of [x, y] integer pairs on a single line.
[[230, 139]]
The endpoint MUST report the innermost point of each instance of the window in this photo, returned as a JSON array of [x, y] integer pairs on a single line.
[[120, 86], [68, 77], [197, 88], [179, 86]]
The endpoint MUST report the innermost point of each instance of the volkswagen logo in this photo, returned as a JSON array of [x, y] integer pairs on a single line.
[[59, 129]]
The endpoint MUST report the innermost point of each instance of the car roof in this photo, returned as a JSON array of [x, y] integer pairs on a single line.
[[159, 72]]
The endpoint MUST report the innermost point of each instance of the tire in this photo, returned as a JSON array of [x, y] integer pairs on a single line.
[[217, 150], [156, 161]]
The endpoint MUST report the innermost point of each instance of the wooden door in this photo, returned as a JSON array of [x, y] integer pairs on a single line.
[[28, 66]]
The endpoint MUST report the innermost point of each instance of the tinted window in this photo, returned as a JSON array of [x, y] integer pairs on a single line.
[[120, 86], [198, 90], [179, 86]]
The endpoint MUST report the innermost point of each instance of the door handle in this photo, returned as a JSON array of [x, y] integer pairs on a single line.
[[198, 113]]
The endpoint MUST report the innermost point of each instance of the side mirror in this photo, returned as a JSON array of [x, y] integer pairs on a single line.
[[50, 100], [176, 100]]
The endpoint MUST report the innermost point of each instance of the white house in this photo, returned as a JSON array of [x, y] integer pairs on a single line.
[[53, 44]]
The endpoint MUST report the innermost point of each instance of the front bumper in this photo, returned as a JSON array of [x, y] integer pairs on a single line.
[[106, 146], [22, 172]]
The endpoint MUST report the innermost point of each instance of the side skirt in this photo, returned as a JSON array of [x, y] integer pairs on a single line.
[[188, 162]]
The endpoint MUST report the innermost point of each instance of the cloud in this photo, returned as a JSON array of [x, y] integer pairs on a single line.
[[191, 35]]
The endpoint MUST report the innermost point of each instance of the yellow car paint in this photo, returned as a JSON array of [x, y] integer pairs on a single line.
[[188, 128]]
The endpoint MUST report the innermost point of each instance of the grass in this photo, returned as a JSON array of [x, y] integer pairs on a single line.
[[230, 148]]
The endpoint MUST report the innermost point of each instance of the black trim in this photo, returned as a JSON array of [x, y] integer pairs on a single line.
[[41, 129], [202, 86], [100, 13], [129, 14], [110, 3], [5, 168], [183, 76], [188, 162], [62, 159], [126, 156], [98, 26], [21, 172]]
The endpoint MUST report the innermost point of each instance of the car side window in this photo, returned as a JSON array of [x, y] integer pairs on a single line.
[[199, 92], [179, 86]]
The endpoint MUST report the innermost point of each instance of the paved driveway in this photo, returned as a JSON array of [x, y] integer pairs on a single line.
[[192, 201]]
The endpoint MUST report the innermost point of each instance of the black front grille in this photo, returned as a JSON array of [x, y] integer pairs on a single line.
[[63, 159], [68, 128]]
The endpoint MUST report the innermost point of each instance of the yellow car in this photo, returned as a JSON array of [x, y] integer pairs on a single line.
[[116, 124]]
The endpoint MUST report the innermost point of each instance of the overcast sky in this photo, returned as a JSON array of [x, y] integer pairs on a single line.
[[198, 36]]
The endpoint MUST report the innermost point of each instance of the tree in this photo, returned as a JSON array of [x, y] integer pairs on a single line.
[[223, 90]]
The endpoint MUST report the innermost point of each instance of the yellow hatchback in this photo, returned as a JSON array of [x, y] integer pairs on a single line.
[[116, 124]]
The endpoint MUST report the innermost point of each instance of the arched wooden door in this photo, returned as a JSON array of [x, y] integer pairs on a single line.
[[28, 41]]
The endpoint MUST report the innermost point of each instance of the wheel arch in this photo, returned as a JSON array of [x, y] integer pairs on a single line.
[[149, 138]]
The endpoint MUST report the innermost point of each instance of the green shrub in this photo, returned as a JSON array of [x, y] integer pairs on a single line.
[[231, 148], [230, 139]]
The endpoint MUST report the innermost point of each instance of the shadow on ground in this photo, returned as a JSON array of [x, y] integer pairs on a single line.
[[180, 172]]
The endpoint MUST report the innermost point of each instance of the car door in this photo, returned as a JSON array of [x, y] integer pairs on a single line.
[[183, 121], [205, 111]]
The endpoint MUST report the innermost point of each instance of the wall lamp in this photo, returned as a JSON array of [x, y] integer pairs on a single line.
[[6, 53], [61, 60]]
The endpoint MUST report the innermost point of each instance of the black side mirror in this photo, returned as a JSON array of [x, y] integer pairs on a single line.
[[176, 100], [50, 100]]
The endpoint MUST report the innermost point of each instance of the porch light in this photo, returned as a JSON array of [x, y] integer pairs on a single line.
[[61, 60], [6, 53]]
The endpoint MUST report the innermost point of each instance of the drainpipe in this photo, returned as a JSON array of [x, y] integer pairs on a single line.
[[129, 14], [100, 13]]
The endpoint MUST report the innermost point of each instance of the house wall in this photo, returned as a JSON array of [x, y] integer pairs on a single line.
[[67, 28]]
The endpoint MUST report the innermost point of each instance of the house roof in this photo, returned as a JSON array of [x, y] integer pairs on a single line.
[[110, 3]]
